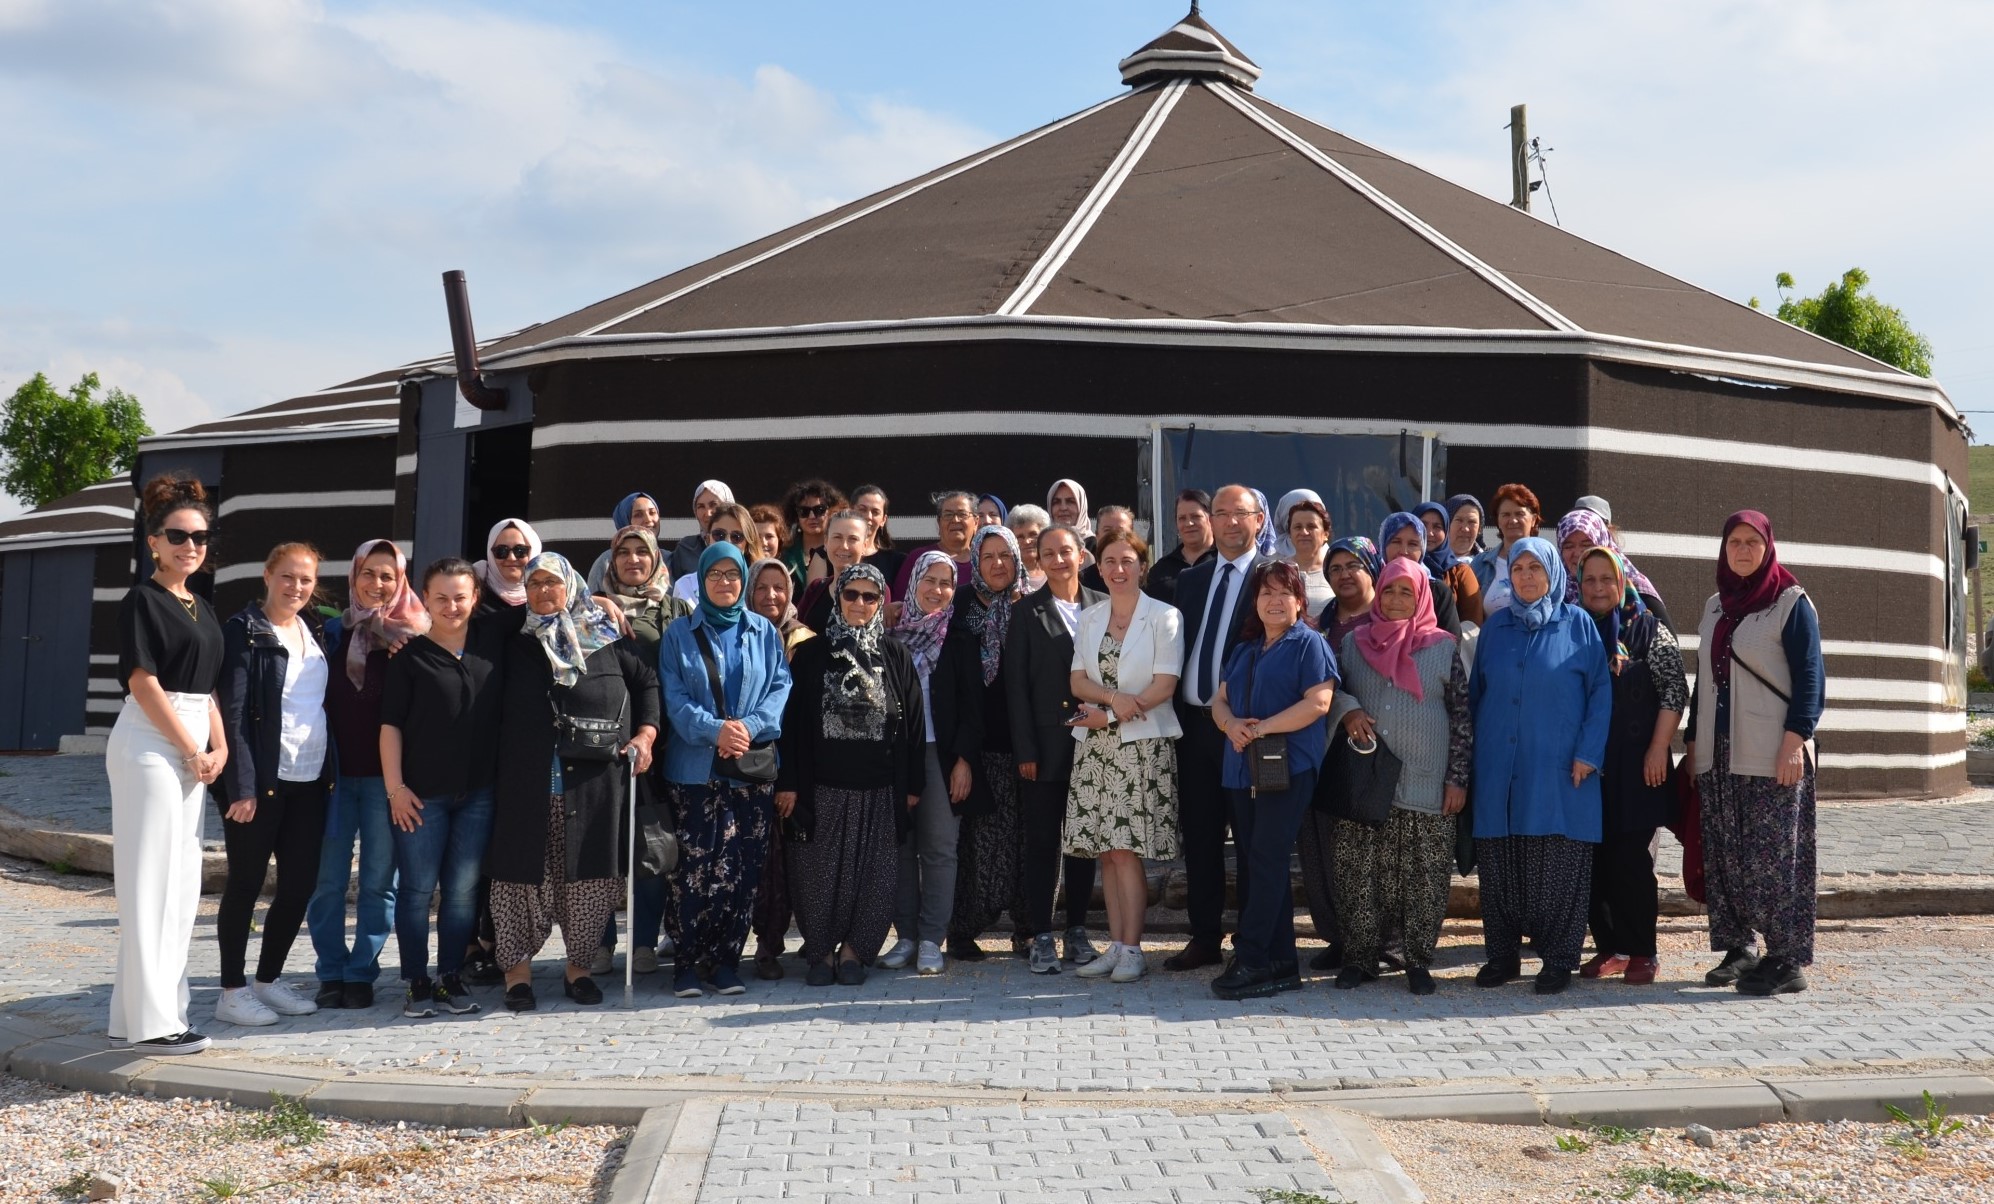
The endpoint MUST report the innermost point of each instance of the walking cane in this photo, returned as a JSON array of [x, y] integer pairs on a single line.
[[630, 885]]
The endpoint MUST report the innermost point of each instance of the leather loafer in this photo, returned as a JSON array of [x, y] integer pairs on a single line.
[[1328, 960], [1351, 977], [1246, 982], [1641, 971], [1551, 982], [519, 998], [768, 969], [584, 991], [1603, 965], [1195, 956], [820, 975], [850, 973], [1419, 980], [1497, 973], [331, 995]]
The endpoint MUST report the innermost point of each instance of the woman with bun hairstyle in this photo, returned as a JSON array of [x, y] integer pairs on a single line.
[[166, 745], [275, 662]]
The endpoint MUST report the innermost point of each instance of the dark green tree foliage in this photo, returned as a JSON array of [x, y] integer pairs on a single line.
[[57, 443], [1846, 314]]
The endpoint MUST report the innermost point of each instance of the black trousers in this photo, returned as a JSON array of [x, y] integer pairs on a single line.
[[1623, 905], [1044, 805], [1204, 816], [290, 826]]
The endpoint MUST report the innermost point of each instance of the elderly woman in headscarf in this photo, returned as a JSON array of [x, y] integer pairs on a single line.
[[1066, 501], [991, 509], [716, 767], [382, 610], [1402, 536], [1406, 689], [853, 742], [1306, 533], [1583, 529], [1650, 694], [1542, 696], [973, 741], [1464, 527], [638, 510], [509, 547], [1284, 546], [769, 586], [707, 499], [925, 900], [1457, 571], [1751, 728], [556, 856]]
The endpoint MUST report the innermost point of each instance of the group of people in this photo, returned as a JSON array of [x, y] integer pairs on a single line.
[[894, 749]]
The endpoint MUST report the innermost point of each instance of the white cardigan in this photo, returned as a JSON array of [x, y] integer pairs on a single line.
[[1154, 645]]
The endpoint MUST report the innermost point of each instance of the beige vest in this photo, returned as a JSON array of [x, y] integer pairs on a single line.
[[1758, 716]]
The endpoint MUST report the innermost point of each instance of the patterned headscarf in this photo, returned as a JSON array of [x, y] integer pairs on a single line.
[[1601, 536], [923, 633], [1284, 546], [378, 626], [788, 624], [1264, 546], [1388, 645], [510, 594], [855, 680], [1535, 614], [568, 635], [1363, 549], [990, 621], [656, 587], [1618, 625]]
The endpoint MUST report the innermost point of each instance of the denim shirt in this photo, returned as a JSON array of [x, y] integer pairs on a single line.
[[1299, 661], [753, 671]]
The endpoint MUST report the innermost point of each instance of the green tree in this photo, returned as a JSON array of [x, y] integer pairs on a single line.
[[1847, 315], [57, 443]]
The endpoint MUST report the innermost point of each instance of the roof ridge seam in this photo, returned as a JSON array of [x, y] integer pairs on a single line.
[[997, 151], [1410, 220], [1068, 240]]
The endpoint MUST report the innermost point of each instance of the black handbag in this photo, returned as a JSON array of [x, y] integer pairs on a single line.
[[657, 841], [1267, 756], [757, 765], [1370, 776], [578, 738]]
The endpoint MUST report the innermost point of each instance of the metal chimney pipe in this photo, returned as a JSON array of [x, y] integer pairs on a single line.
[[464, 342]]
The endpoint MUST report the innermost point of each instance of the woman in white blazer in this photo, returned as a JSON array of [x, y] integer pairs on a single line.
[[1122, 806]]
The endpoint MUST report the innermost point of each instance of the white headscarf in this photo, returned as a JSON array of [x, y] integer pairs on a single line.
[[1082, 526], [511, 594], [1283, 546], [717, 489]]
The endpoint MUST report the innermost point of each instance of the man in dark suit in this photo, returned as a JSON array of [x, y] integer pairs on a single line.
[[1038, 659], [1210, 597]]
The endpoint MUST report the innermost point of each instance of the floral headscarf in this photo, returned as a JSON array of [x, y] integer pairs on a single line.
[[1617, 626], [990, 621], [379, 626], [789, 622], [1363, 549], [855, 701], [569, 635], [923, 633], [1601, 536]]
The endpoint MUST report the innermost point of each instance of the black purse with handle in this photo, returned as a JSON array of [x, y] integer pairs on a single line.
[[754, 767], [1266, 756]]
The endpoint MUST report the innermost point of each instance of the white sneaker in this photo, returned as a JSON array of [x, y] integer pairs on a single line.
[[281, 999], [644, 961], [665, 947], [238, 1006], [929, 961], [603, 963], [1130, 966], [1103, 965], [897, 957]]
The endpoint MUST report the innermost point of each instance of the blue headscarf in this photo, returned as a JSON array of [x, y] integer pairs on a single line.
[[1535, 614], [621, 515], [1437, 560], [1363, 549], [1265, 544], [1003, 511], [1396, 522], [722, 617], [1455, 505]]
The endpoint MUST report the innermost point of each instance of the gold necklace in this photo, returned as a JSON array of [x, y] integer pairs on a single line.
[[191, 604]]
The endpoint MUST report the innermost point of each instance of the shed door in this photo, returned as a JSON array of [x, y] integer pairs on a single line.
[[45, 627]]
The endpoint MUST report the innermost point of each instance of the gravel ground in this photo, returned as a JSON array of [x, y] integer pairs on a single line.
[[1842, 1163], [51, 1142]]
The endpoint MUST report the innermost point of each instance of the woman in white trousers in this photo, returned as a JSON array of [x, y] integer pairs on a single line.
[[166, 746]]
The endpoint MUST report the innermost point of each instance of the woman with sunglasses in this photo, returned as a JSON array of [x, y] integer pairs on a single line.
[[847, 541], [166, 746], [808, 509], [502, 575], [852, 752], [730, 524]]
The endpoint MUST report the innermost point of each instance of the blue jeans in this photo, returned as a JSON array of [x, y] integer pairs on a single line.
[[446, 848], [1264, 829], [359, 807]]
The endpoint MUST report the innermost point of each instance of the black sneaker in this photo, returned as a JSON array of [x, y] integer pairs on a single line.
[[480, 970], [1245, 982], [1497, 973], [1773, 976], [452, 997], [356, 995], [421, 1001], [1287, 976], [177, 1045], [1736, 964], [331, 995]]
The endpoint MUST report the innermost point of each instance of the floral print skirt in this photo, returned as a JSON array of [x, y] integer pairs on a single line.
[[1123, 794]]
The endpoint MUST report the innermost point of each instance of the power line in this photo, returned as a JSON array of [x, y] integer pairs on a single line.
[[1537, 153]]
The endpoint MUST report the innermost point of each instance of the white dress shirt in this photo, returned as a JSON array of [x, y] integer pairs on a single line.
[[1194, 641]]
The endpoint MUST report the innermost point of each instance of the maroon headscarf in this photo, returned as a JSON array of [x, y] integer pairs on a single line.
[[1743, 596]]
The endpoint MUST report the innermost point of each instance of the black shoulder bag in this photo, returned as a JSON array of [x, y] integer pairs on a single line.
[[579, 738], [755, 766], [1266, 756]]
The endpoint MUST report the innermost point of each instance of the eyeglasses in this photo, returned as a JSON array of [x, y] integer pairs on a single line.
[[176, 537], [1223, 516], [724, 577], [738, 538], [511, 551], [1344, 570], [959, 515], [865, 597], [817, 511]]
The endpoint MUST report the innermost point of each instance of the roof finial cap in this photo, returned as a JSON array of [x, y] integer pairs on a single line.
[[1190, 49]]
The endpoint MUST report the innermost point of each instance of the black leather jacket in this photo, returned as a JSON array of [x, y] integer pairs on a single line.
[[251, 696]]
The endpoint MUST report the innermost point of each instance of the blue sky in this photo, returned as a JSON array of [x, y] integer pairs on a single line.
[[221, 203]]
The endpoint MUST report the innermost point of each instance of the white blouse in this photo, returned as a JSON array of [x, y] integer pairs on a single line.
[[301, 745]]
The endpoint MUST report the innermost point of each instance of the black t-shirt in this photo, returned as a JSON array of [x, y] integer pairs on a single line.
[[158, 634], [447, 708]]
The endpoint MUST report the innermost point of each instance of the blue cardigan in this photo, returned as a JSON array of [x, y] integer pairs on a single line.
[[754, 672], [1542, 700]]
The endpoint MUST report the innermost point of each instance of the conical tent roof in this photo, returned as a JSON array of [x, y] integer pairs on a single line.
[[1190, 199]]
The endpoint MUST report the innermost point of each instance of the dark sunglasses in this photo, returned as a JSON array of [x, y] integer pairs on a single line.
[[867, 596], [818, 511], [738, 538], [176, 537], [511, 551]]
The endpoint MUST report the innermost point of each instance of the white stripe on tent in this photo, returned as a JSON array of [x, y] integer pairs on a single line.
[[64, 539], [915, 529], [103, 706], [103, 658], [1927, 723], [109, 594], [104, 685], [405, 465], [1880, 689], [1655, 544], [1831, 760], [295, 501], [1924, 652]]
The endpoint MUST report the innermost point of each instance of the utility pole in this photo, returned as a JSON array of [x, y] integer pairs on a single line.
[[1519, 159]]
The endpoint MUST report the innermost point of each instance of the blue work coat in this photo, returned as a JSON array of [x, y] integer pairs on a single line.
[[1542, 700]]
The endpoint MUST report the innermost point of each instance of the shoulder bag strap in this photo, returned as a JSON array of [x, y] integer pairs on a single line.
[[712, 672]]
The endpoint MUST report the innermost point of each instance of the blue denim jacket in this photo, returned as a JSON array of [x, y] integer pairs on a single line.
[[754, 673]]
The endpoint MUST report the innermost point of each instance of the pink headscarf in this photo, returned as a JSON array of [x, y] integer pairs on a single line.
[[378, 626], [1389, 644]]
